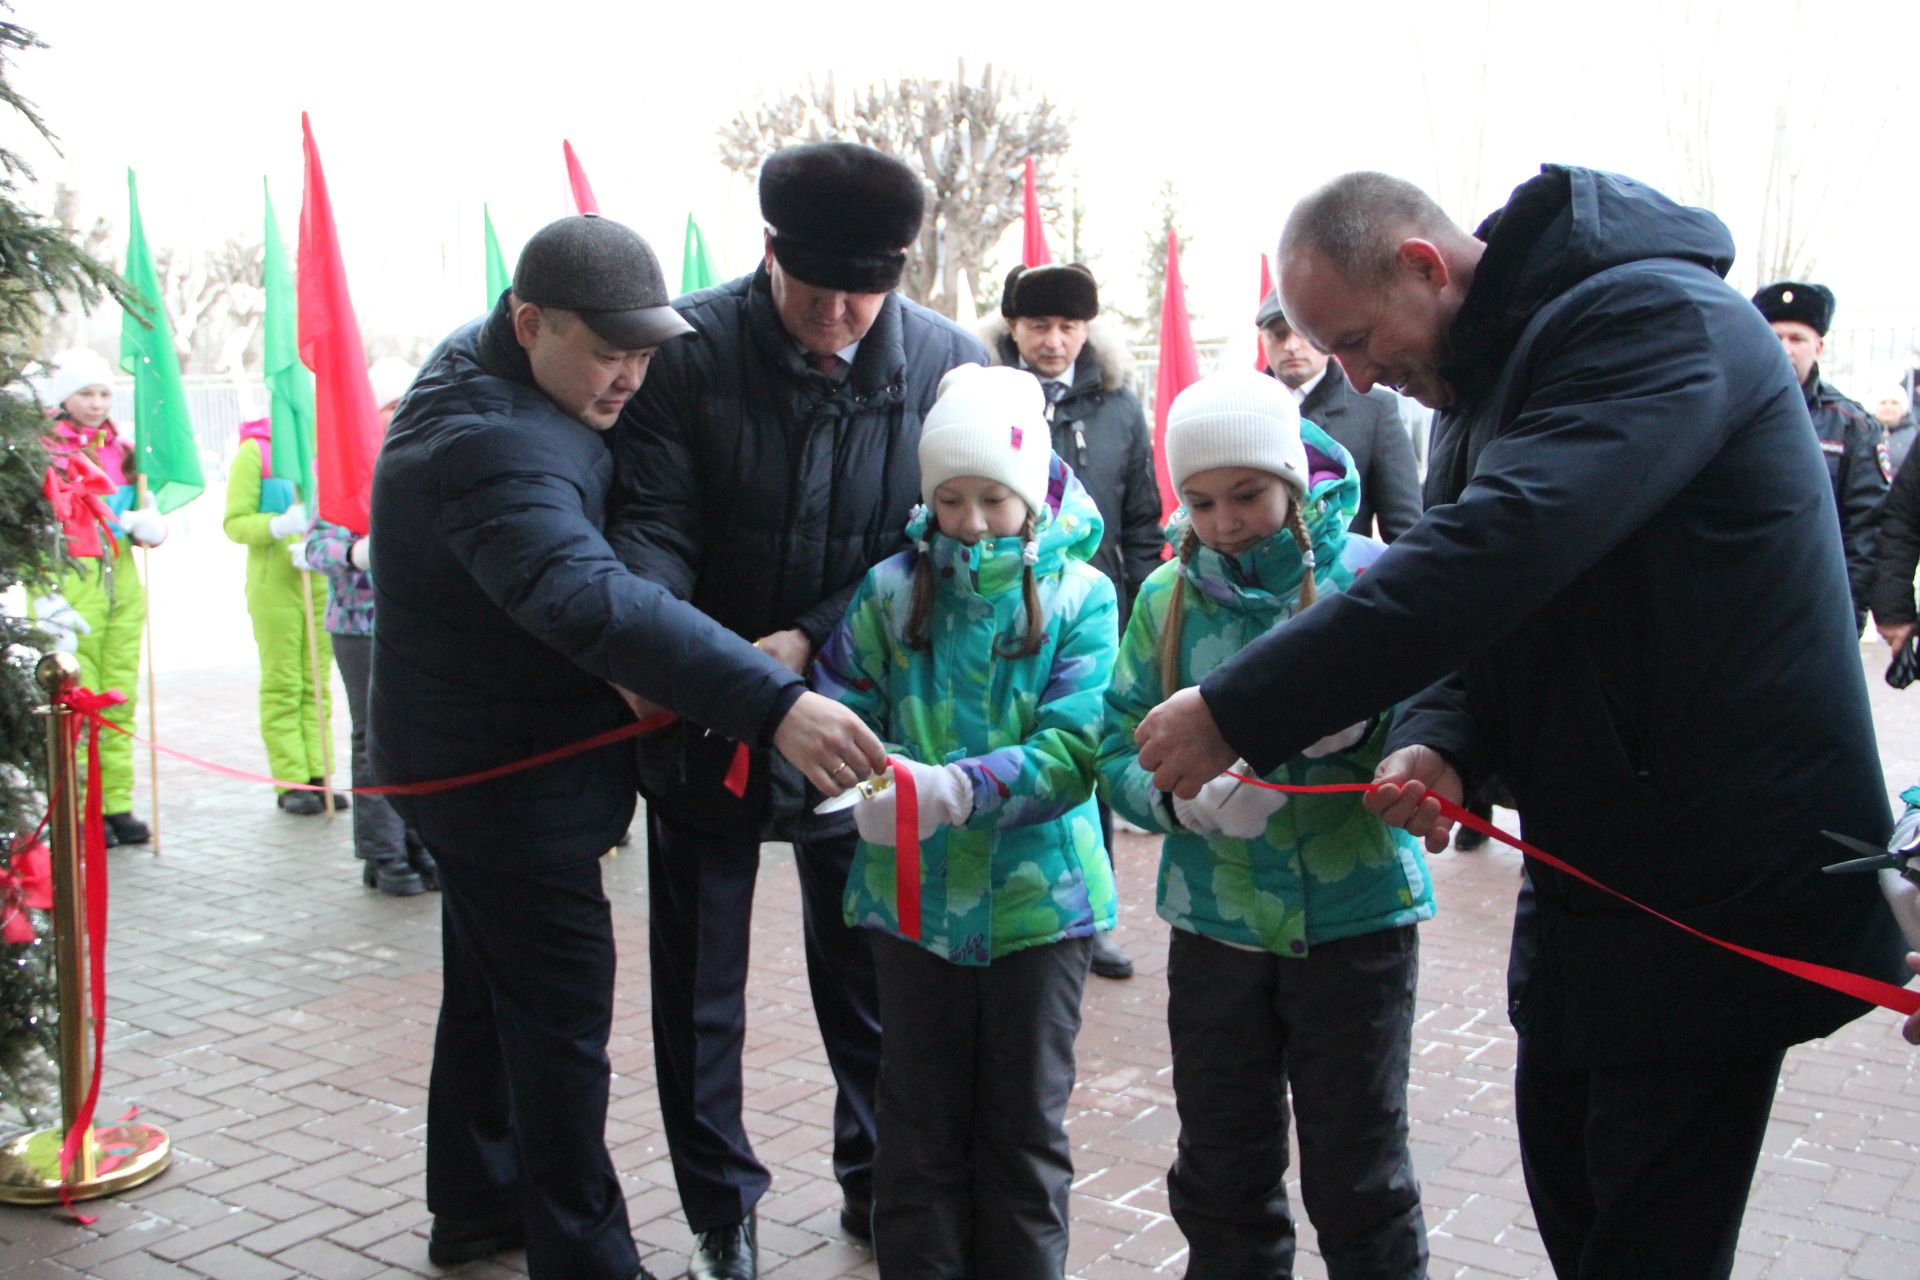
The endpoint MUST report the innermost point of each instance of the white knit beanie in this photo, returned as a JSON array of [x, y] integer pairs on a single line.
[[390, 376], [991, 423], [76, 370], [1236, 418]]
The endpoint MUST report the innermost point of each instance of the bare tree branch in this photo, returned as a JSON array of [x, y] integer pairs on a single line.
[[967, 140]]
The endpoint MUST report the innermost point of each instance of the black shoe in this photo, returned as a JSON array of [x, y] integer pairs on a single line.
[[453, 1241], [856, 1219], [727, 1253], [1109, 960], [422, 862], [341, 801], [1466, 840], [395, 879], [124, 828], [304, 803]]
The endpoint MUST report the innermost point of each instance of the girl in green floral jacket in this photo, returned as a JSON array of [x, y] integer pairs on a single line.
[[981, 656], [1293, 959]]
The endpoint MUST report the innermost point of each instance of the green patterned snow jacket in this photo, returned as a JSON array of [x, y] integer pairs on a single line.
[[1326, 868], [1028, 867]]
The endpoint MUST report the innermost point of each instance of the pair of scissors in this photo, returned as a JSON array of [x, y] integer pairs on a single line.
[[1902, 847], [865, 789]]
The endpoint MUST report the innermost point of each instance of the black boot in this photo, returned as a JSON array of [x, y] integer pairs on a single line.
[[124, 828], [341, 801], [304, 803], [453, 1241], [391, 876], [422, 862], [727, 1253], [1110, 959]]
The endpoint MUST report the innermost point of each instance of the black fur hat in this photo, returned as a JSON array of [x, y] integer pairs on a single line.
[[842, 215], [1057, 289], [1808, 304]]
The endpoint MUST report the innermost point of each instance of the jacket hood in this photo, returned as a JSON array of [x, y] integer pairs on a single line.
[[1273, 566], [1557, 230], [1111, 362], [1069, 529]]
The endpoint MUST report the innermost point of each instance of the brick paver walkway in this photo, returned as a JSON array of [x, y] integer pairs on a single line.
[[277, 1019]]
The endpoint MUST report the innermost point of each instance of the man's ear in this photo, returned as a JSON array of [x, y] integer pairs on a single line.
[[1423, 259], [527, 319]]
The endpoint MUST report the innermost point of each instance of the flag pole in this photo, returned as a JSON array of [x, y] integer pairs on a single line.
[[319, 704], [153, 691]]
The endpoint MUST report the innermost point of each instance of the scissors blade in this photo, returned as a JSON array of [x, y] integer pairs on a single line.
[[1872, 859], [865, 789]]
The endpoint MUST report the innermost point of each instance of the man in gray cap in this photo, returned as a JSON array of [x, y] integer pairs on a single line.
[[506, 624], [769, 462]]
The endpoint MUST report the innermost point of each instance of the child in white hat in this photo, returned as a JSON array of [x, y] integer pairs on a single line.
[[982, 656], [104, 600], [1293, 957]]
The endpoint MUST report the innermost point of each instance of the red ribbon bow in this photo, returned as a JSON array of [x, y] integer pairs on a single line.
[[25, 881], [75, 495]]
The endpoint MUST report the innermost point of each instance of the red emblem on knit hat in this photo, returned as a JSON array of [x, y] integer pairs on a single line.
[[1016, 438]]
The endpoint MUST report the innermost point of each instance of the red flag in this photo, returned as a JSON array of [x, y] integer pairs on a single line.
[[1266, 287], [346, 425], [577, 178], [1033, 248], [1179, 369]]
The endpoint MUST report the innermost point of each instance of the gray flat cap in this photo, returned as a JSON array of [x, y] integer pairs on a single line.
[[606, 273]]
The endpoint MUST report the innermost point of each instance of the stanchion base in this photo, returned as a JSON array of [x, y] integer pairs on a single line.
[[125, 1155]]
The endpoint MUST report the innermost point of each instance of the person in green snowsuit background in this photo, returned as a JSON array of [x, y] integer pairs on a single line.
[[1293, 959], [268, 515], [102, 603], [981, 657]]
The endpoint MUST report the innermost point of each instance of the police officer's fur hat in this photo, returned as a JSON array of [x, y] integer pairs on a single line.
[[842, 215], [1056, 289], [1807, 304]]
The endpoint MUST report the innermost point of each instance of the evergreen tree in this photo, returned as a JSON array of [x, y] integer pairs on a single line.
[[41, 268]]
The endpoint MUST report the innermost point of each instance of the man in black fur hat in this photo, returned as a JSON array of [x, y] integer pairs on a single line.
[[1852, 441], [1049, 324], [768, 463]]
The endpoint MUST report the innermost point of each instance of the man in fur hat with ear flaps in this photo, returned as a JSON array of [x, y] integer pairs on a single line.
[[769, 461], [1049, 324]]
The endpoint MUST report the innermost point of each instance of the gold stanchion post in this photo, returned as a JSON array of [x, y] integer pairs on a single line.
[[112, 1157]]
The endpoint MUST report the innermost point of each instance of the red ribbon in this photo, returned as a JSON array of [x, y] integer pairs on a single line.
[[86, 708], [75, 495], [1871, 990], [735, 781], [906, 849], [25, 881]]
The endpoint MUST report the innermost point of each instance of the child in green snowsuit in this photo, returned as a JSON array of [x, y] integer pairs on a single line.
[[981, 657], [1294, 956]]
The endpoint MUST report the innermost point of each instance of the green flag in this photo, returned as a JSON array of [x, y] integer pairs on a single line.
[[696, 268], [497, 278], [163, 445], [289, 384]]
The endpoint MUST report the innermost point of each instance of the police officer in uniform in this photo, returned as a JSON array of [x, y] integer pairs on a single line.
[[1855, 444]]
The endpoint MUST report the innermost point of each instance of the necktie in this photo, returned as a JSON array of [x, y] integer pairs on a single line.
[[831, 365], [1055, 391]]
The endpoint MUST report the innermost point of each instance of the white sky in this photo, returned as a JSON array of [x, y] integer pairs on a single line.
[[422, 111]]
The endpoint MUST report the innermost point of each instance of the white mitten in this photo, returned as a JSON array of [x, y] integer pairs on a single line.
[[291, 521], [1903, 895], [945, 797], [360, 555], [298, 554], [1223, 810], [145, 526], [60, 620], [1341, 741]]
